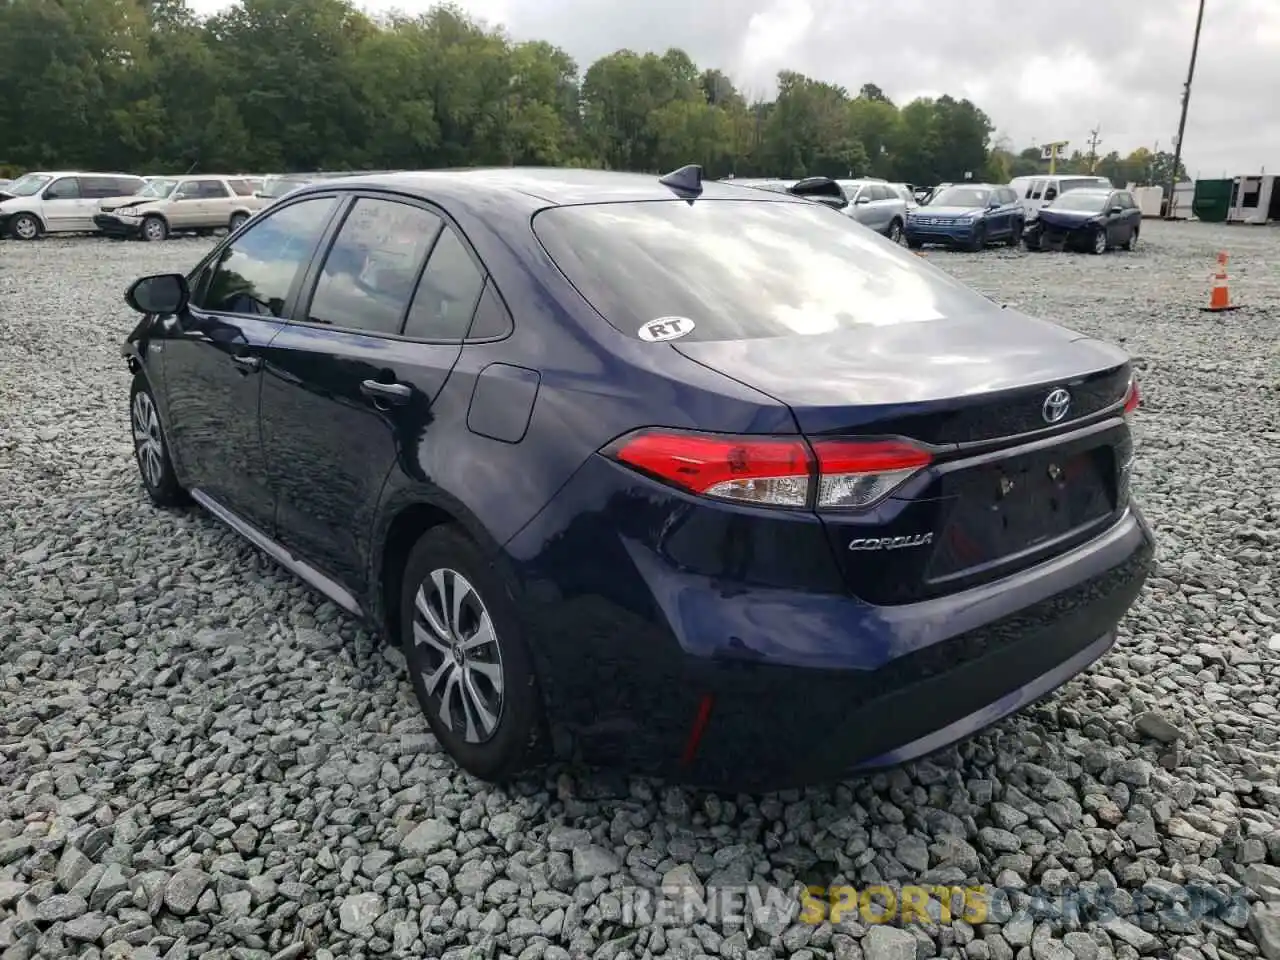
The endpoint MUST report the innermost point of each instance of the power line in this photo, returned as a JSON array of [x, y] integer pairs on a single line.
[[1182, 121]]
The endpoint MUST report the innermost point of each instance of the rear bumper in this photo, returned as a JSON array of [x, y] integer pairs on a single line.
[[724, 685]]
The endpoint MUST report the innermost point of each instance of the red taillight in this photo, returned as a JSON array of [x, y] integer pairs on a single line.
[[774, 471], [1132, 396]]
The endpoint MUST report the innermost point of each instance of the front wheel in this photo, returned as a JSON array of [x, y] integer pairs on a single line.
[[150, 448], [1015, 235], [979, 239], [467, 659], [1132, 244], [154, 229], [1098, 243], [24, 226], [914, 244], [895, 231]]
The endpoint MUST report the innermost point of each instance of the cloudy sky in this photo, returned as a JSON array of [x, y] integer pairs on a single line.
[[1042, 69]]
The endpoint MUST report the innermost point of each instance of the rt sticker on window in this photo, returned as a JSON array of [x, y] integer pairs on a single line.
[[666, 328]]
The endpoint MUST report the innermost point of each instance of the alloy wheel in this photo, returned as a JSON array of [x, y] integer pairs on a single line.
[[147, 439], [26, 228], [1099, 241], [154, 229], [895, 232], [461, 660]]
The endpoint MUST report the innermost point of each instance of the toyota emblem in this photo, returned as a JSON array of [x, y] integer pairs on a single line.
[[1056, 405]]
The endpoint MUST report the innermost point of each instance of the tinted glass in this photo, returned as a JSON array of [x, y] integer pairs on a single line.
[[213, 189], [253, 275], [741, 269], [369, 272], [492, 319], [67, 188], [962, 197], [448, 292], [243, 188]]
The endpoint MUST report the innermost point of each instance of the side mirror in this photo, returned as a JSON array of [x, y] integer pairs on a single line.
[[861, 200], [1117, 209], [163, 293], [836, 203]]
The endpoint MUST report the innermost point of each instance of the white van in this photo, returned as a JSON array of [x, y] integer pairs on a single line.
[[60, 201], [1034, 192]]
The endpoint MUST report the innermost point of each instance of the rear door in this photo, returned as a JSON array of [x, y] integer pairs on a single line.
[[216, 203], [353, 376], [214, 355]]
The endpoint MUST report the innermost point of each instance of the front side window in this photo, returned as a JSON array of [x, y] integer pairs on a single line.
[[742, 269], [67, 188], [369, 273], [254, 274]]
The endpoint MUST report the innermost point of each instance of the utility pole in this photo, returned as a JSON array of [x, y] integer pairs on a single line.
[[1182, 121], [1093, 148]]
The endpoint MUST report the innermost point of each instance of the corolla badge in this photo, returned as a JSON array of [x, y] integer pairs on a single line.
[[891, 543], [1056, 406]]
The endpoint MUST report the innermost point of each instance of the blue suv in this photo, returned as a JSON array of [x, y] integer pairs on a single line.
[[968, 215]]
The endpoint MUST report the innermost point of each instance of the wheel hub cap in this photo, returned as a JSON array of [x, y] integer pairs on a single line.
[[460, 663], [147, 440]]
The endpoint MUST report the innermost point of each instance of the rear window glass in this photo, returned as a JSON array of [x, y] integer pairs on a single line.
[[741, 269]]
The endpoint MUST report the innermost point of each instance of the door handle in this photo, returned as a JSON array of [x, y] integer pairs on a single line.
[[396, 393], [246, 363]]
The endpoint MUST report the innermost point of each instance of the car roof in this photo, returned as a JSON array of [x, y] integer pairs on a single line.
[[533, 187]]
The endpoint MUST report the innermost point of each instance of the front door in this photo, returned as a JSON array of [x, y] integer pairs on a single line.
[[62, 206], [214, 356], [353, 379]]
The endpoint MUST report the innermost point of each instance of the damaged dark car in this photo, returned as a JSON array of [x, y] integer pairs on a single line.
[[1089, 220]]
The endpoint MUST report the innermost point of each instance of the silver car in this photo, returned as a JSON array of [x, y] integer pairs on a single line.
[[876, 204]]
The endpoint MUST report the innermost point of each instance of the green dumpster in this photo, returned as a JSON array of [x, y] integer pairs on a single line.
[[1212, 200]]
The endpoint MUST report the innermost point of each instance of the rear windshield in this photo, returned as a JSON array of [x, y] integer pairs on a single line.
[[1084, 183], [742, 269]]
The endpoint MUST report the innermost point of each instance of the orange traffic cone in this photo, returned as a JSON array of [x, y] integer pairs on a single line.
[[1219, 295]]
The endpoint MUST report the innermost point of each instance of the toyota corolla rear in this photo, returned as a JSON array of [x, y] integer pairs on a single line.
[[934, 532]]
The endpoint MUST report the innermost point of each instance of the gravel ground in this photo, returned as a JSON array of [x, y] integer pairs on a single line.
[[201, 757]]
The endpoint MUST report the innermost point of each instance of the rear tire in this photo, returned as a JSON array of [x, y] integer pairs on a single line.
[[150, 448], [1015, 235], [895, 230], [26, 226], [1132, 243], [467, 660], [154, 229], [237, 221]]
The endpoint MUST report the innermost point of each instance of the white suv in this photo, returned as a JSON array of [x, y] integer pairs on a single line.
[[171, 204]]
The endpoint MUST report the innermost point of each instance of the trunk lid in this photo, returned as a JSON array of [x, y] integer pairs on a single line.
[[1007, 488], [981, 376]]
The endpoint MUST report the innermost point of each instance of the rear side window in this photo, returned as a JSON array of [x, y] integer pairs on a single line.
[[368, 275], [447, 295], [740, 269], [244, 188], [101, 187], [254, 274], [212, 190]]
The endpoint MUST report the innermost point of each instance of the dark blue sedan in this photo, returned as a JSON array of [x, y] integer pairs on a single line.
[[652, 472], [968, 216]]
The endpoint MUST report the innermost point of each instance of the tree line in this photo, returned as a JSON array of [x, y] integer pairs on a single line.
[[297, 85]]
